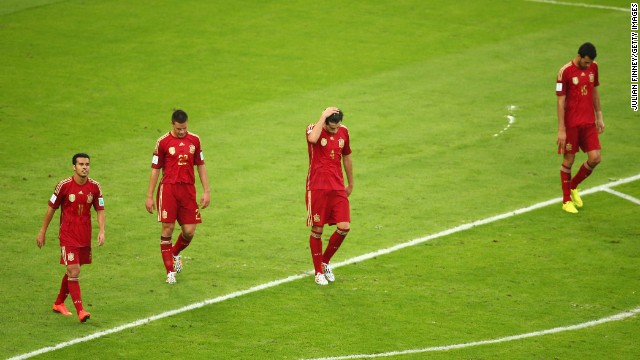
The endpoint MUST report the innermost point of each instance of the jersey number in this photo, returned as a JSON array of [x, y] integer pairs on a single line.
[[583, 90], [182, 159]]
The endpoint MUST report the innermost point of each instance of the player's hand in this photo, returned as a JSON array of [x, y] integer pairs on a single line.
[[151, 205], [329, 111], [600, 126], [101, 238], [349, 189], [40, 240], [205, 200], [561, 141]]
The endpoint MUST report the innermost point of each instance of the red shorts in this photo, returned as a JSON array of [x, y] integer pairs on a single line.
[[327, 207], [581, 137], [70, 255], [178, 202]]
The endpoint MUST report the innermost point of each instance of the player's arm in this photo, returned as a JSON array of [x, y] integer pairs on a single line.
[[204, 180], [45, 224], [562, 130], [347, 162], [314, 134], [598, 110], [101, 225], [153, 181]]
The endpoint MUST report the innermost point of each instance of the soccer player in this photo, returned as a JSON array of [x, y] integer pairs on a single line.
[[327, 197], [579, 121], [176, 153], [76, 194]]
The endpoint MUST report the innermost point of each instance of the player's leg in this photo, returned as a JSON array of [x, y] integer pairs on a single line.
[[316, 206], [58, 305], [341, 216], [74, 258], [184, 240], [166, 250], [568, 158], [590, 143], [188, 216]]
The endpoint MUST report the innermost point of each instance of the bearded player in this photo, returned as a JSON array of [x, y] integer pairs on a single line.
[[579, 121]]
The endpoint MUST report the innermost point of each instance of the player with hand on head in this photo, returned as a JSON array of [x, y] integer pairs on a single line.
[[579, 121], [176, 153], [327, 196], [76, 195]]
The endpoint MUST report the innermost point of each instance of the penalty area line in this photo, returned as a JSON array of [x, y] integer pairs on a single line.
[[353, 260]]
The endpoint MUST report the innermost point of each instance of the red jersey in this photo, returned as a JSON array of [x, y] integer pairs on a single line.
[[75, 217], [577, 85], [177, 157], [325, 159]]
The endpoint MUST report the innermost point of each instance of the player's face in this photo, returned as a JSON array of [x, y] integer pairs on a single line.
[[179, 130], [584, 62], [332, 128], [81, 167]]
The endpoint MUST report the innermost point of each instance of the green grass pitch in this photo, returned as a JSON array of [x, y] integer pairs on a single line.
[[426, 88]]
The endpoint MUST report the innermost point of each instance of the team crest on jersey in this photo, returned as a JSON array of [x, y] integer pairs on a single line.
[[89, 198], [592, 77], [316, 218], [575, 80], [341, 143], [71, 256], [172, 150], [164, 214], [323, 142], [192, 149], [568, 147], [72, 197]]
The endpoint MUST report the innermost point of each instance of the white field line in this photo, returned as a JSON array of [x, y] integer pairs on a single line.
[[356, 259], [622, 195], [593, 6], [617, 317]]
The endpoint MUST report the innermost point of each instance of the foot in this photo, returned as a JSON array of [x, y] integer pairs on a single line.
[[177, 263], [62, 309], [569, 207], [575, 196], [321, 279], [328, 274], [171, 278], [83, 316]]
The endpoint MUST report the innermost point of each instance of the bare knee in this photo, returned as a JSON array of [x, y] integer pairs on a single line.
[[73, 271]]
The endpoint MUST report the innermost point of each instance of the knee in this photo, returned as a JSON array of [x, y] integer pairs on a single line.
[[73, 271], [188, 235], [594, 160]]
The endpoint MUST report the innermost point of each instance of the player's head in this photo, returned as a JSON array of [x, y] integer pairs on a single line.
[[586, 55], [75, 157], [587, 49], [81, 164], [179, 121], [333, 121], [179, 116]]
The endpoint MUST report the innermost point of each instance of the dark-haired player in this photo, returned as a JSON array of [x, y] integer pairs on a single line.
[[76, 195], [327, 197], [579, 121], [176, 153]]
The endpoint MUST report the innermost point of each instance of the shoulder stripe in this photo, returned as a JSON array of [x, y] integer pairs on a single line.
[[61, 184], [562, 69], [155, 151]]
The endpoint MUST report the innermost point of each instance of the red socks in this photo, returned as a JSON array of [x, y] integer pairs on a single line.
[[315, 243], [64, 291], [180, 245], [583, 173], [74, 291], [334, 243], [565, 176], [165, 249]]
